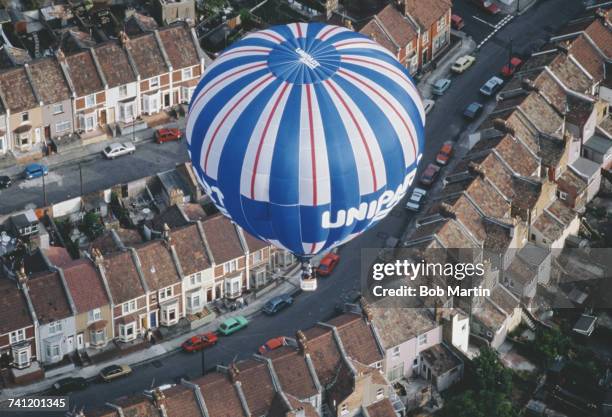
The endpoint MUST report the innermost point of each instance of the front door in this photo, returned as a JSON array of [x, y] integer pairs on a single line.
[[153, 319], [70, 343], [80, 341], [167, 100], [47, 132], [102, 117]]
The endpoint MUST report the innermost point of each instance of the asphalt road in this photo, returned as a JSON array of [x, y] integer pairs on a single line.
[[444, 122]]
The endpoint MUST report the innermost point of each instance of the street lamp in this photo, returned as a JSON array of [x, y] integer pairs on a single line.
[[44, 190]]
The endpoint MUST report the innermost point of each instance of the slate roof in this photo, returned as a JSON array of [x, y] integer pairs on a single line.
[[17, 90], [220, 396], [179, 46], [48, 297], [190, 249], [49, 80], [122, 277], [85, 285], [84, 74], [147, 56], [222, 239], [115, 65], [257, 385], [440, 359], [13, 307], [157, 265]]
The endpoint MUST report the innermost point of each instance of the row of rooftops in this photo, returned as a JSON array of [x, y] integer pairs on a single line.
[[524, 135], [87, 68], [325, 359]]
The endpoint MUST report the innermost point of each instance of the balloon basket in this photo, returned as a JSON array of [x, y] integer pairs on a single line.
[[308, 284]]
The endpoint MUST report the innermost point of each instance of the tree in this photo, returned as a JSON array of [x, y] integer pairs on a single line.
[[549, 344], [491, 394], [92, 226]]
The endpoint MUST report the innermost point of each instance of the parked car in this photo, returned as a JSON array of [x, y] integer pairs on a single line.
[[276, 304], [35, 171], [5, 181], [463, 63], [457, 22], [488, 6], [491, 86], [272, 344], [328, 264], [66, 385], [473, 110], [168, 135], [441, 86], [232, 325], [112, 372], [114, 150], [199, 342], [444, 154], [415, 202], [428, 105], [511, 67], [430, 174]]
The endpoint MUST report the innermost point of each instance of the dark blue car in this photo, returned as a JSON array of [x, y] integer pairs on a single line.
[[35, 171], [276, 304]]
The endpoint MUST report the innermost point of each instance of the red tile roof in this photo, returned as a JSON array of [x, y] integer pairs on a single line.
[[157, 265], [602, 36], [85, 285], [122, 277], [257, 385], [383, 408], [18, 92], [57, 255], [220, 396], [324, 352], [49, 80], [427, 12], [292, 371], [179, 46], [357, 338], [222, 239], [84, 74], [13, 308], [190, 249], [115, 65], [147, 56], [181, 402]]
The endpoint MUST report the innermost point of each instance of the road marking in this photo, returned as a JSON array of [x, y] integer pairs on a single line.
[[483, 21], [498, 27]]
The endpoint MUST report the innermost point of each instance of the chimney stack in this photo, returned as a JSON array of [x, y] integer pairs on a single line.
[[97, 256], [476, 169], [22, 277], [159, 400], [446, 210], [123, 38], [302, 342], [367, 311], [233, 372], [166, 233]]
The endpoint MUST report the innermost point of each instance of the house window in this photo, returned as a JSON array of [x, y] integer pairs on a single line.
[[396, 352], [169, 315], [88, 122], [97, 337], [196, 278], [126, 111], [194, 301], [441, 23], [165, 293], [154, 82], [127, 332], [415, 362], [61, 127], [17, 336], [53, 350], [396, 372], [90, 100], [378, 365], [58, 108], [425, 37], [23, 139], [55, 327], [380, 393], [422, 339], [562, 195], [21, 357], [186, 93], [230, 266], [94, 315], [258, 256], [150, 103], [344, 409], [25, 117], [187, 73], [127, 308], [233, 286], [123, 91]]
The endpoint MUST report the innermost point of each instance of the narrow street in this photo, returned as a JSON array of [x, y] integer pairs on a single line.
[[445, 122]]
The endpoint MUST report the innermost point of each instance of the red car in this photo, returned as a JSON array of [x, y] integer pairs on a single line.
[[430, 174], [457, 22], [511, 67], [272, 344], [168, 135], [446, 151], [328, 263], [199, 342], [488, 6]]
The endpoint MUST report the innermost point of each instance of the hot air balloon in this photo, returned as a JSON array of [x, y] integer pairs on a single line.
[[305, 135]]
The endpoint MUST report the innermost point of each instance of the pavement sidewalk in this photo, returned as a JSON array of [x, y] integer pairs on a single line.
[[164, 348], [442, 70], [86, 152]]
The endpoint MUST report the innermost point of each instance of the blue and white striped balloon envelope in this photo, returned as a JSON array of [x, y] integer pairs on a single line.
[[305, 135]]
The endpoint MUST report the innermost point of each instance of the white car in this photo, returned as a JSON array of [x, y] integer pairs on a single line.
[[415, 202], [462, 64], [428, 105], [118, 149], [491, 86]]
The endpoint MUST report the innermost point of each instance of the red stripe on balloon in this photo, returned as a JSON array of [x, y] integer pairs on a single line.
[[312, 147]]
